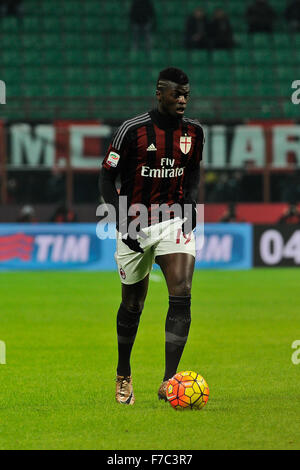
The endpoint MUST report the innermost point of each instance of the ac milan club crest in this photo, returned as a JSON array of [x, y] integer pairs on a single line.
[[185, 144], [122, 273]]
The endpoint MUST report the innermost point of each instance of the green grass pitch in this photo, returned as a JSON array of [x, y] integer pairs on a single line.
[[57, 386]]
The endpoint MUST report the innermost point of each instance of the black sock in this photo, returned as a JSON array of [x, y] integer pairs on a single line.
[[177, 329], [127, 325]]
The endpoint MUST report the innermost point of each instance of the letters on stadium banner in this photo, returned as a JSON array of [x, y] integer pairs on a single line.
[[78, 247], [82, 145], [53, 246], [226, 246], [276, 246]]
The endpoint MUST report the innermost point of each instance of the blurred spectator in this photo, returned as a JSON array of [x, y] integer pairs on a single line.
[[260, 16], [230, 214], [12, 189], [289, 187], [142, 19], [27, 215], [292, 14], [12, 8], [63, 215], [55, 187], [197, 30], [221, 31], [290, 216], [224, 187], [234, 186]]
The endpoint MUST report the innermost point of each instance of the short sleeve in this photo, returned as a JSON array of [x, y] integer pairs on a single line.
[[116, 153]]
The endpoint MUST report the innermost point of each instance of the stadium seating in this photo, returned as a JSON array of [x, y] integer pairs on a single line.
[[69, 48]]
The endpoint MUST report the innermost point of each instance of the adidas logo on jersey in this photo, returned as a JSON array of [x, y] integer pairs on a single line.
[[151, 148]]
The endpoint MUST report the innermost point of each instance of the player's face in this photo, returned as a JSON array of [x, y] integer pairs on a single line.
[[173, 100]]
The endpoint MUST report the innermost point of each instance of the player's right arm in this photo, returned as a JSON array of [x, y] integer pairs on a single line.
[[108, 176], [110, 169]]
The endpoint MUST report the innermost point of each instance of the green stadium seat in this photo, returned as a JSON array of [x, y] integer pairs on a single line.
[[75, 74], [90, 23], [202, 90], [11, 74], [286, 57], [50, 8], [32, 24], [51, 40], [200, 58], [118, 76], [10, 41], [111, 8], [74, 90], [222, 90], [9, 25], [94, 75], [54, 90], [94, 90], [52, 74], [158, 57], [246, 90], [31, 74], [243, 73], [291, 110], [10, 57], [179, 57], [296, 40], [241, 39], [222, 57], [223, 74], [71, 23], [31, 41], [30, 57], [71, 6], [116, 57], [51, 57], [265, 74], [235, 9], [74, 56], [286, 73], [118, 90], [241, 57], [282, 41], [137, 90], [94, 57], [33, 90], [263, 57], [14, 89], [260, 40], [266, 89]]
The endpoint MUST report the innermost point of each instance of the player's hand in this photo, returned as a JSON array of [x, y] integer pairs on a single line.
[[132, 243], [190, 213]]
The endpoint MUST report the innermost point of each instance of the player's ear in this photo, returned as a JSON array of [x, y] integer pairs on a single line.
[[158, 95]]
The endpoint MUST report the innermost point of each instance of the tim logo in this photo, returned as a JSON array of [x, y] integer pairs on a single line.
[[45, 248], [18, 246], [2, 92]]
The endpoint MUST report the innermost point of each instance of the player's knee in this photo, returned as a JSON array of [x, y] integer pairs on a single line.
[[134, 306], [181, 287]]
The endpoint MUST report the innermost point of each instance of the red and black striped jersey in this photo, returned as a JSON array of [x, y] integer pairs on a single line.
[[152, 154]]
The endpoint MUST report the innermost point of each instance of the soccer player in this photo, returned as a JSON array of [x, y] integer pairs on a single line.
[[157, 156]]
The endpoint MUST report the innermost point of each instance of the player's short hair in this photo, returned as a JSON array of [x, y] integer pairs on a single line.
[[173, 74]]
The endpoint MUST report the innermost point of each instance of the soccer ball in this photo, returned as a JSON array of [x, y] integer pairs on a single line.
[[187, 390]]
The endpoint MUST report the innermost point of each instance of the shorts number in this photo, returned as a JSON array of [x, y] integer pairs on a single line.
[[187, 237]]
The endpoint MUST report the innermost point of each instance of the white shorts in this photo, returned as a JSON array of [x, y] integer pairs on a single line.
[[161, 239]]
